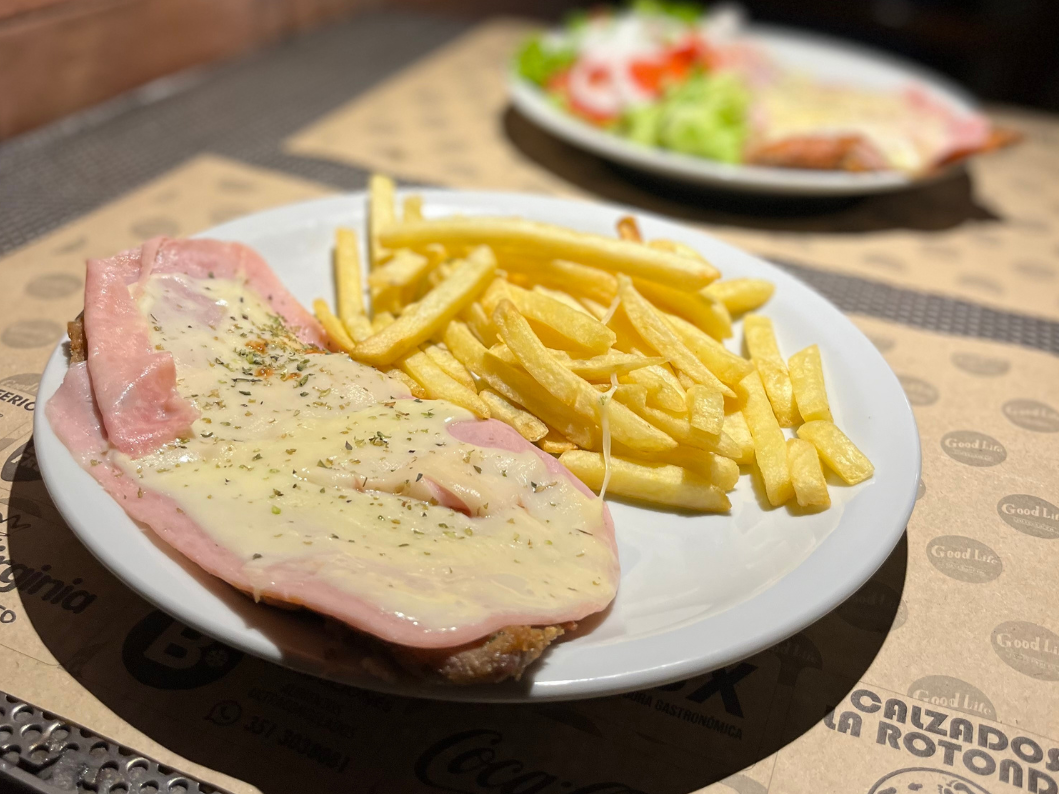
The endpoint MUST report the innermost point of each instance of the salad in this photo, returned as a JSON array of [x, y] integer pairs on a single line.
[[670, 76]]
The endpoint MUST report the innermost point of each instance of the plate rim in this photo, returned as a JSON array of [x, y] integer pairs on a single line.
[[809, 610], [534, 104]]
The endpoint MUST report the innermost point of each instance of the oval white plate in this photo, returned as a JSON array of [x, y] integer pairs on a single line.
[[820, 56], [697, 592]]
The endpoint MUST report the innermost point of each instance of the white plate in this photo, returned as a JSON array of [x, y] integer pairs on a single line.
[[697, 592], [820, 56]]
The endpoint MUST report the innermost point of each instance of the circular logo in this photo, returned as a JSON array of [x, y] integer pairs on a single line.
[[165, 654], [26, 382], [964, 558], [872, 608], [901, 617], [1028, 648], [31, 333], [925, 781], [21, 465], [983, 366], [1032, 415], [952, 693], [1030, 515], [919, 392], [973, 449], [52, 286]]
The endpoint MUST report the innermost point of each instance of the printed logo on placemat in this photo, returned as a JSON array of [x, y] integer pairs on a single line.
[[31, 333], [984, 366], [932, 733], [1031, 649], [872, 608], [952, 693], [1030, 515], [21, 465], [165, 654], [926, 781], [973, 449], [918, 391], [25, 384], [477, 760], [964, 558], [1032, 415], [53, 286]]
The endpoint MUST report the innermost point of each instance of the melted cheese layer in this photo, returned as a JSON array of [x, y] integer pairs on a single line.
[[308, 464]]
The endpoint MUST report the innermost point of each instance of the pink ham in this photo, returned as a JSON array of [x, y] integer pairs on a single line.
[[106, 402]]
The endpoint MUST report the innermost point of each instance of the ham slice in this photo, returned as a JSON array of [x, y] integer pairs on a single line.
[[126, 398]]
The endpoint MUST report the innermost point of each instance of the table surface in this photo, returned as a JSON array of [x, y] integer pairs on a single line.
[[956, 283]]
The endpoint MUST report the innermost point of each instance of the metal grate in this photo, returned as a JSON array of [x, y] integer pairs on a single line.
[[42, 752]]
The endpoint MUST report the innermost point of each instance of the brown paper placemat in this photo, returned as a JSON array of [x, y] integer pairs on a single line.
[[991, 237], [953, 643]]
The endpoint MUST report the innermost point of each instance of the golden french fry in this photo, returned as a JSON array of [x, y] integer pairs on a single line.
[[681, 249], [333, 326], [568, 388], [702, 310], [413, 385], [439, 386], [349, 295], [659, 483], [576, 328], [838, 452], [664, 390], [765, 353], [612, 363], [453, 368], [721, 471], [529, 427], [555, 444], [741, 294], [393, 283], [562, 297], [380, 216], [706, 409], [515, 385], [674, 425], [810, 487], [381, 320], [807, 378], [726, 365], [420, 320], [628, 339], [770, 448], [736, 428], [661, 336], [528, 239], [479, 322], [413, 208], [629, 229]]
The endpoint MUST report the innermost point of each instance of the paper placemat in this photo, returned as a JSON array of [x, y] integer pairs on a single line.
[[991, 237], [942, 671]]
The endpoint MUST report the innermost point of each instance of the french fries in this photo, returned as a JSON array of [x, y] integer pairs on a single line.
[[658, 483], [741, 295], [528, 239], [807, 477], [606, 352], [420, 320], [765, 353], [807, 378], [770, 449], [839, 453], [349, 294]]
